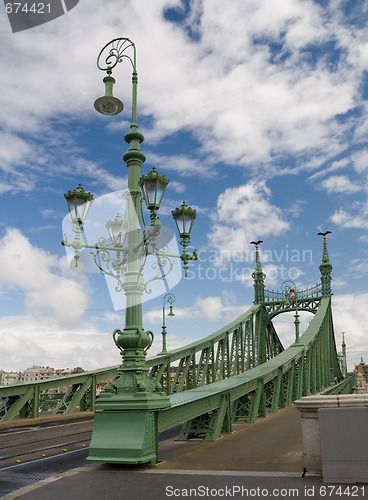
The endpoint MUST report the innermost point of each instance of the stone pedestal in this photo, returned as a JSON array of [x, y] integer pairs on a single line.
[[308, 407]]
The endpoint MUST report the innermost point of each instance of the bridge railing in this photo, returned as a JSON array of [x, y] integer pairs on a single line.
[[238, 348], [59, 394], [229, 351], [306, 367], [346, 386]]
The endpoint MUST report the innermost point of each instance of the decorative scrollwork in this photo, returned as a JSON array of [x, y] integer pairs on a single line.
[[151, 337], [114, 267], [164, 266], [116, 333], [287, 286], [102, 241], [115, 50]]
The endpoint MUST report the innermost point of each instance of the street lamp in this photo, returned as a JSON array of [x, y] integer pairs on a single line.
[[117, 229], [184, 219], [128, 404], [79, 202], [291, 298], [125, 425], [169, 298], [153, 186]]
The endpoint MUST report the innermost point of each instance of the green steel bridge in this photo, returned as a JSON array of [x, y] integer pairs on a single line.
[[239, 372]]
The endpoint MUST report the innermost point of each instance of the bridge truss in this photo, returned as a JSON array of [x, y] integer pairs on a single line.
[[239, 372]]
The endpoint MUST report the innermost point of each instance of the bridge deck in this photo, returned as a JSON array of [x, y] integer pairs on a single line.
[[272, 444]]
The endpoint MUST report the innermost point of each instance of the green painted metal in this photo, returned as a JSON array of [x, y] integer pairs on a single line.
[[233, 347], [124, 437], [241, 371], [346, 386], [15, 398], [247, 391], [258, 277], [290, 374], [133, 396]]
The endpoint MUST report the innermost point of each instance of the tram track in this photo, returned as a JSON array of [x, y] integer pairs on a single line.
[[22, 446], [37, 452]]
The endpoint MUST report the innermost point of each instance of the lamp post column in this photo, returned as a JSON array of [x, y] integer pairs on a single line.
[[125, 423], [169, 298], [297, 323], [133, 341]]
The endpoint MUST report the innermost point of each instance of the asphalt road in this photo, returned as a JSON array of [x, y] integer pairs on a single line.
[[24, 444], [32, 454], [19, 475], [260, 460]]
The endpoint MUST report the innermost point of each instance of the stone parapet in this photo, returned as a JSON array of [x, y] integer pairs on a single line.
[[308, 407]]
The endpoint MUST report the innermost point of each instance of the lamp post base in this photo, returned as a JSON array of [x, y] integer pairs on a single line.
[[125, 422], [124, 437], [125, 429]]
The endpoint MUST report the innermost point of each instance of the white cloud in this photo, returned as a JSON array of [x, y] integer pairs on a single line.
[[360, 159], [211, 308], [350, 315], [182, 164], [333, 167], [243, 214], [26, 340], [355, 218], [13, 150], [340, 184], [228, 84], [40, 277], [50, 330]]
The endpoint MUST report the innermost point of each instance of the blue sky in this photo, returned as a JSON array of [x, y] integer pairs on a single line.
[[257, 113]]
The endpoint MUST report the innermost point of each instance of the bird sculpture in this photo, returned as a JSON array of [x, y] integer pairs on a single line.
[[324, 234], [256, 242]]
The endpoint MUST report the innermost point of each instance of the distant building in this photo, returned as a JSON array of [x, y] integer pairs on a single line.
[[35, 374], [9, 378], [361, 374]]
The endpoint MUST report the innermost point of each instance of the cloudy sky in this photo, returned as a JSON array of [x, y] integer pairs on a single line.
[[257, 113]]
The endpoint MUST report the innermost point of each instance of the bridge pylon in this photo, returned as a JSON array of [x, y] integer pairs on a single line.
[[325, 267]]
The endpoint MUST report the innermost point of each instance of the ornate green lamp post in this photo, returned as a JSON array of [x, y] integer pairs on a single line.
[[291, 297], [169, 298], [125, 422], [344, 368]]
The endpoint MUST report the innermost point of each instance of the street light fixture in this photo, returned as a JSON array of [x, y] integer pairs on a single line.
[[125, 422], [108, 104], [117, 229], [184, 219], [79, 202], [153, 186]]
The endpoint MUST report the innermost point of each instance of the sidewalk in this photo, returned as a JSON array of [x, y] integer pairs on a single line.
[[272, 444]]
